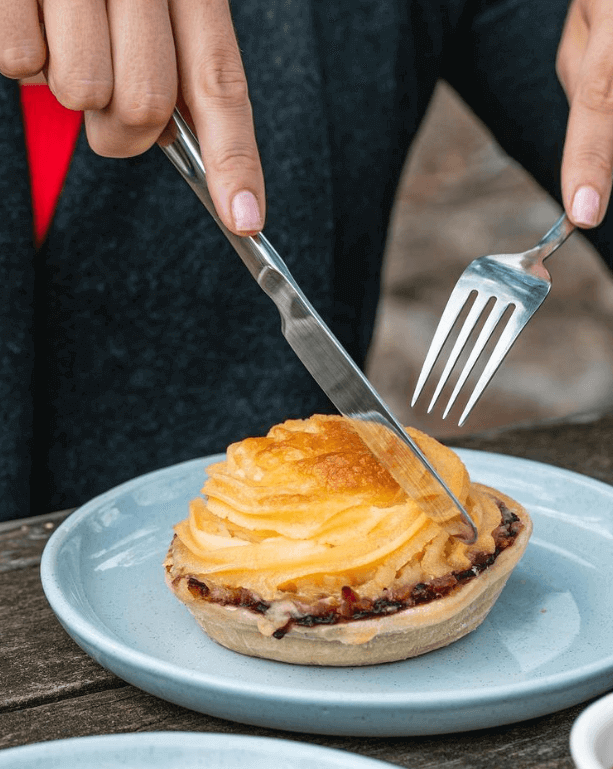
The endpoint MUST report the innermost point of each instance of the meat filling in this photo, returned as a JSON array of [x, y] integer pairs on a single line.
[[350, 606]]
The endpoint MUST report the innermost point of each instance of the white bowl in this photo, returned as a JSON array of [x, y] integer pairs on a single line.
[[591, 737]]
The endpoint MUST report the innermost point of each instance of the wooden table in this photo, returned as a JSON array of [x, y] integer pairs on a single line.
[[50, 689]]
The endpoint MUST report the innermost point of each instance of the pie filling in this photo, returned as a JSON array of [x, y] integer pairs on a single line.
[[349, 606]]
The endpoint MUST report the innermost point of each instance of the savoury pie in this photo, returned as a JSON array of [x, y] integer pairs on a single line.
[[303, 549]]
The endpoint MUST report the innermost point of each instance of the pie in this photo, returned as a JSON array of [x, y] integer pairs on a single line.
[[303, 549]]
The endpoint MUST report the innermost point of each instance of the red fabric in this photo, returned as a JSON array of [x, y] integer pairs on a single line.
[[51, 133]]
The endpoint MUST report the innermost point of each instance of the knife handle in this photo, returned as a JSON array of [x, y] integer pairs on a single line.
[[182, 148]]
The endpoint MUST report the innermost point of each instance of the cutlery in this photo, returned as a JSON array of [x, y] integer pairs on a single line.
[[322, 353], [518, 281]]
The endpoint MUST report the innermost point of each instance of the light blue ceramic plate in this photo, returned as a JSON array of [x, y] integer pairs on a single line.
[[179, 750], [546, 644]]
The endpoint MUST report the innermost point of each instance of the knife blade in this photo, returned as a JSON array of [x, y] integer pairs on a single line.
[[320, 351]]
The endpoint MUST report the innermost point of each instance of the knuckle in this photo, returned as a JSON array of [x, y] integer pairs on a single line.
[[146, 109], [22, 61], [235, 158], [595, 158], [596, 93], [222, 77], [114, 144], [82, 93]]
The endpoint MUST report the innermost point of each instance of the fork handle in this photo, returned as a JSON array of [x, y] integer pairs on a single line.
[[560, 231]]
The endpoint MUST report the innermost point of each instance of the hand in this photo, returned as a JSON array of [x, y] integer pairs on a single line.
[[124, 62], [585, 69]]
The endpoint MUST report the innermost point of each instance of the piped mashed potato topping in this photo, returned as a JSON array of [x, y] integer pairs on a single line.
[[307, 510]]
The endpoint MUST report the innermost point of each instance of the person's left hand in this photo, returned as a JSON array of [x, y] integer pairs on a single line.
[[585, 69]]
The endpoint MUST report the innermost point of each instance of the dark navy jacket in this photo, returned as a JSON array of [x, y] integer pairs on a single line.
[[135, 338]]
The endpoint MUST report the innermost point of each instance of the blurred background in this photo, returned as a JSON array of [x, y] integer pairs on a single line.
[[460, 198]]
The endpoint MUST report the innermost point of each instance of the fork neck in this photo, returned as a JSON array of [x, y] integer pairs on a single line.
[[560, 231]]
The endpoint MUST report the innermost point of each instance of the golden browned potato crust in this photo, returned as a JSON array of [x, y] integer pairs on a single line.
[[303, 541]]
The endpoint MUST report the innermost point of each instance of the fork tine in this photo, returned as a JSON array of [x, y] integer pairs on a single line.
[[454, 305], [473, 316], [490, 324], [515, 325]]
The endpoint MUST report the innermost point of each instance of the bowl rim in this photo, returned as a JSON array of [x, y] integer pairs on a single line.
[[585, 730]]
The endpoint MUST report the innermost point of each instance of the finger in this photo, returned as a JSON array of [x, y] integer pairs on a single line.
[[22, 47], [145, 79], [588, 151], [214, 86], [80, 72], [571, 50]]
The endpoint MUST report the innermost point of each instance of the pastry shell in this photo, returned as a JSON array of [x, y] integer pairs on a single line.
[[388, 638]]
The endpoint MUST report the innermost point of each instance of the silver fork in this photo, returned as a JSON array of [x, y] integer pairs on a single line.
[[520, 281]]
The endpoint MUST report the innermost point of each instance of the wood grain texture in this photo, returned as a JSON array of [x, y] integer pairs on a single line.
[[541, 743], [583, 444], [22, 542], [50, 689], [38, 660]]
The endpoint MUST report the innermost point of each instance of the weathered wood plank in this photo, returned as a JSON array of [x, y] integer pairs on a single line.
[[54, 690], [22, 542], [50, 689], [38, 660], [582, 444], [538, 744]]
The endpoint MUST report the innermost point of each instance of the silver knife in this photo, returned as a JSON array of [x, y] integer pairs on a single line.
[[318, 349]]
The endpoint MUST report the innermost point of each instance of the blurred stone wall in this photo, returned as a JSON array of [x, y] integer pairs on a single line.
[[460, 198]]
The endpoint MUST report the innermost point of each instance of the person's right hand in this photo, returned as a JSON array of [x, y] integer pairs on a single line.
[[123, 63]]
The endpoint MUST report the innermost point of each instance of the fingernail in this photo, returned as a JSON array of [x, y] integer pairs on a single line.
[[246, 212], [586, 206]]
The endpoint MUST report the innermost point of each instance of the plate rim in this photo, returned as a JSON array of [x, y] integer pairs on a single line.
[[438, 699], [195, 739]]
